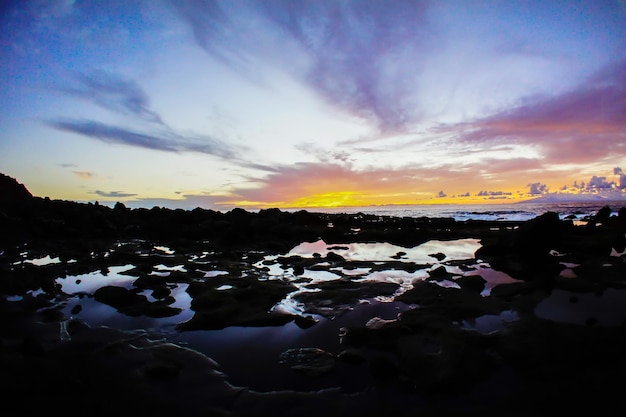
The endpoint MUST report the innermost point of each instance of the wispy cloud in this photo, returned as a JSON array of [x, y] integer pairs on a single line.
[[354, 54], [114, 194], [582, 125], [167, 141], [84, 175], [114, 93]]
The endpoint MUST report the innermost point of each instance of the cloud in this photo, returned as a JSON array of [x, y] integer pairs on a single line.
[[187, 202], [622, 177], [167, 141], [354, 54], [441, 194], [486, 193], [113, 194], [537, 188], [599, 183], [582, 125], [114, 93], [85, 175]]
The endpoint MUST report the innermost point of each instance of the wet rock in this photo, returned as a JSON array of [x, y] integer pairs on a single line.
[[333, 257], [298, 270], [439, 256], [382, 367], [437, 303], [440, 273], [377, 323], [248, 304], [160, 370], [337, 247], [51, 315], [131, 303], [340, 295], [352, 356], [526, 252], [305, 322], [309, 361], [474, 283]]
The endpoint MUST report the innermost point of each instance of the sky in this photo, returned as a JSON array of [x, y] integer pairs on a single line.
[[286, 103]]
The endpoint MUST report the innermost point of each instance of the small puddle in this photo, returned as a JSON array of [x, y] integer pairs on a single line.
[[89, 283]]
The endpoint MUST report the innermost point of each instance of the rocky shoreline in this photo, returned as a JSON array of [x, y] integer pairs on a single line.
[[422, 362]]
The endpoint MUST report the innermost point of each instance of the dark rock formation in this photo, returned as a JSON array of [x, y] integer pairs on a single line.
[[309, 361], [12, 191], [428, 357]]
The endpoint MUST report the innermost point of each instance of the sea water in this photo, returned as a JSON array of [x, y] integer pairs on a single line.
[[495, 212]]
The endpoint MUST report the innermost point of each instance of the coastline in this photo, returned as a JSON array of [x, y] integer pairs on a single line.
[[425, 360]]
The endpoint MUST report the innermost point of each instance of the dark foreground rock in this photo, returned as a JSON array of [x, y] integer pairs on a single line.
[[431, 358]]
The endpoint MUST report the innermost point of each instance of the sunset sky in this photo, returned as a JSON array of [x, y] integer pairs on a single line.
[[256, 104]]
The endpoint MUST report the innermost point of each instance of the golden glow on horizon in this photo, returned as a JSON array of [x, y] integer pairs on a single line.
[[303, 195], [356, 199]]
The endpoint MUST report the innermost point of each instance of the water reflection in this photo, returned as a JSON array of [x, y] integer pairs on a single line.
[[46, 260], [492, 277], [459, 249], [426, 257], [604, 309], [490, 323], [89, 283]]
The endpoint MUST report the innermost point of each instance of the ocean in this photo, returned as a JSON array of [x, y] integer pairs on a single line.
[[578, 211]]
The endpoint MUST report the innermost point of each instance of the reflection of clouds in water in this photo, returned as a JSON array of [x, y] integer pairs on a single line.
[[289, 305], [353, 272], [164, 249], [270, 268], [492, 277], [162, 267], [491, 322], [454, 250], [273, 271], [182, 297], [319, 276], [214, 273], [89, 283], [403, 278], [224, 287], [46, 260]]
